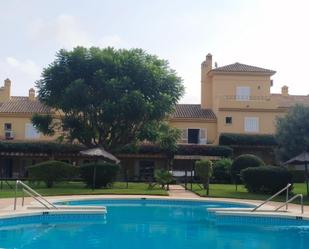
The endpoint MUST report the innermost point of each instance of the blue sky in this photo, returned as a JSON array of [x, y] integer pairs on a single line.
[[271, 34]]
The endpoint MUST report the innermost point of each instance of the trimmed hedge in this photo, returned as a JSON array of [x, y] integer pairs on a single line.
[[244, 139], [222, 171], [51, 172], [242, 162], [298, 176], [266, 179], [105, 174], [40, 147], [182, 149]]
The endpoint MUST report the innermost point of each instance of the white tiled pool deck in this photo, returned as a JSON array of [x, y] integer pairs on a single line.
[[175, 192]]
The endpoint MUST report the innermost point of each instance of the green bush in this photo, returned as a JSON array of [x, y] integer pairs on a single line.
[[244, 139], [242, 162], [203, 170], [222, 170], [266, 179], [52, 171], [105, 174], [182, 149], [298, 176], [163, 177]]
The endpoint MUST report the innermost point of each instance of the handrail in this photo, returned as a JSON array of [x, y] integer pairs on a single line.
[[273, 196], [292, 199], [32, 193]]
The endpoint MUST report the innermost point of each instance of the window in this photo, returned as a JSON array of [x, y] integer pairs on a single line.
[[31, 132], [197, 136], [228, 120], [243, 93], [251, 124], [7, 126]]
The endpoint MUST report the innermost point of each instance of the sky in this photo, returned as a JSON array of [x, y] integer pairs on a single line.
[[271, 34]]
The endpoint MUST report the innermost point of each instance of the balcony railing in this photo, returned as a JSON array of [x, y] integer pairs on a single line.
[[244, 101], [246, 98]]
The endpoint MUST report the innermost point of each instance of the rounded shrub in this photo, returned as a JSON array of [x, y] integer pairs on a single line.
[[203, 170], [52, 171], [266, 179], [163, 177], [222, 170], [105, 174], [242, 162]]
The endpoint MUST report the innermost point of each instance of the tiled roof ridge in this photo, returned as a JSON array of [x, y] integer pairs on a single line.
[[240, 67], [193, 111]]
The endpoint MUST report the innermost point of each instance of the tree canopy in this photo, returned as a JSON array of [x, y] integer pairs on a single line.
[[292, 133], [106, 96]]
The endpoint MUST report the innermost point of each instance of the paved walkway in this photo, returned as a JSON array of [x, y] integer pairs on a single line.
[[179, 191]]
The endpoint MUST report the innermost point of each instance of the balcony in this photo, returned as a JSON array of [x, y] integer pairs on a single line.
[[247, 102]]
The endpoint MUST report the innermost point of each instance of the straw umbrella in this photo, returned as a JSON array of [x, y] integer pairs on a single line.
[[99, 152], [303, 159]]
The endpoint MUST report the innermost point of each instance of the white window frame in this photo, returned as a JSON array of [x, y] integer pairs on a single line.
[[252, 124], [243, 93], [31, 132]]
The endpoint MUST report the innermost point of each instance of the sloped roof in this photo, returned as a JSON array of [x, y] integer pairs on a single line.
[[193, 111], [238, 67], [23, 105]]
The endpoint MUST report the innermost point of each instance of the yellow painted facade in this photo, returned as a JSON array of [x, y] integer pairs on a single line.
[[240, 97], [15, 116]]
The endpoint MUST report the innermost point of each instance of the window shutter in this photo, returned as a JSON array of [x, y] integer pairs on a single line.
[[203, 136], [184, 135], [31, 132], [251, 124]]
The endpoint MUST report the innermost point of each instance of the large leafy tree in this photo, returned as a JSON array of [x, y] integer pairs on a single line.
[[292, 133], [108, 97]]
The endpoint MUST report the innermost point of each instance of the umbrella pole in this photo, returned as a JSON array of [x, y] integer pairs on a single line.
[[94, 176], [306, 170]]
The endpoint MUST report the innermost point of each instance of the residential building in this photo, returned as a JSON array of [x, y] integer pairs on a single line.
[[235, 98]]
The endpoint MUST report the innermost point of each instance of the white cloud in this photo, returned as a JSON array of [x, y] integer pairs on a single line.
[[27, 67], [67, 32]]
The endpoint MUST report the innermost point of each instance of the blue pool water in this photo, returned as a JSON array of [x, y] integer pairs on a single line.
[[152, 224]]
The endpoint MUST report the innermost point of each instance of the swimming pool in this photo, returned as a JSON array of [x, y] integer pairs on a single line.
[[152, 224]]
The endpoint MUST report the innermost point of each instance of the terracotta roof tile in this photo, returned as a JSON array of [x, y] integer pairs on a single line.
[[238, 67], [193, 111], [23, 105]]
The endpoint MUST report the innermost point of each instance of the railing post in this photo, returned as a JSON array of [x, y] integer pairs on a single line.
[[287, 198], [23, 200], [15, 200], [302, 204]]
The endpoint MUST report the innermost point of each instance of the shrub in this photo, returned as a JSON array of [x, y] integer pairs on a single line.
[[244, 139], [105, 174], [182, 149], [266, 179], [222, 170], [51, 171], [163, 177], [243, 162], [203, 170], [298, 176]]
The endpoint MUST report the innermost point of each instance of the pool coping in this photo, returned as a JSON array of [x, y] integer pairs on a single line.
[[8, 212]]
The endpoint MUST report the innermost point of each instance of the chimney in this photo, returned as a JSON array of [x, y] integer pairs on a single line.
[[31, 94], [285, 91], [5, 91], [206, 85]]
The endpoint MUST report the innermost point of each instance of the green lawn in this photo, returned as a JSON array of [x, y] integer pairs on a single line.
[[228, 191], [78, 188]]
